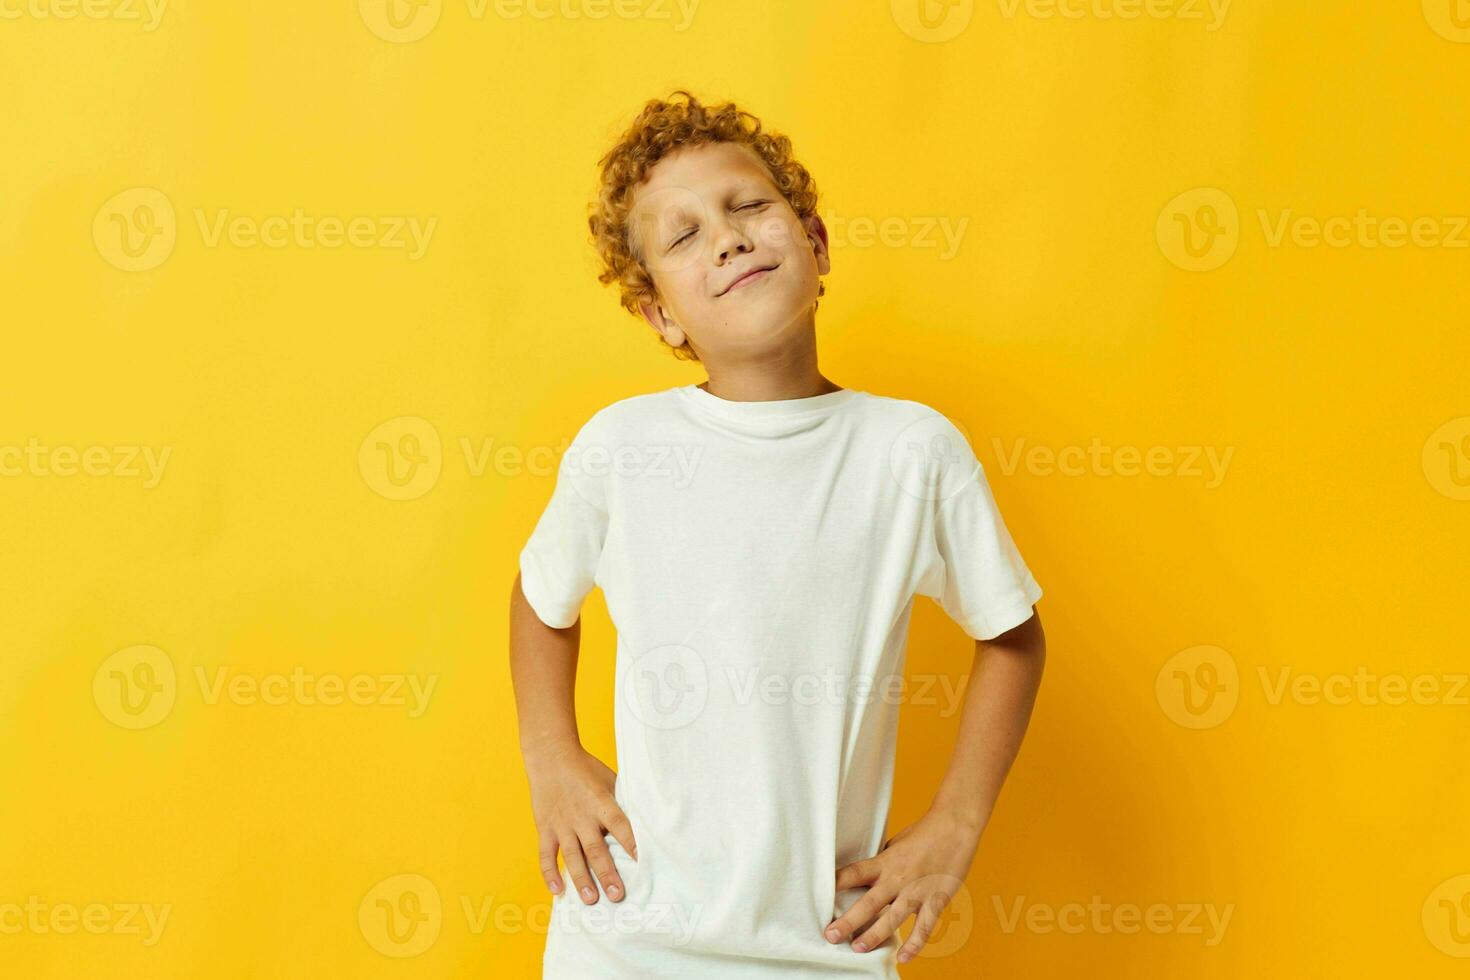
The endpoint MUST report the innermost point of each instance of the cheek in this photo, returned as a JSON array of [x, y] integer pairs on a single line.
[[685, 290], [671, 270], [780, 235]]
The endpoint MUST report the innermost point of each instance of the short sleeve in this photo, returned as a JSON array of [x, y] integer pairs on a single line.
[[976, 573], [559, 561]]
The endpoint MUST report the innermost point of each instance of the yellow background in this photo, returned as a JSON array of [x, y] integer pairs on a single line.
[[1335, 542]]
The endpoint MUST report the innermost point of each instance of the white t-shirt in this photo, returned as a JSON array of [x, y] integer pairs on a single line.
[[759, 562]]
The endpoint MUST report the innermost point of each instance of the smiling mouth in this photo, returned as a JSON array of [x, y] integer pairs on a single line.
[[748, 277]]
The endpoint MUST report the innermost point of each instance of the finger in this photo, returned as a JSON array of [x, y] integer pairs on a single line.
[[924, 925], [863, 872], [863, 910], [571, 853], [886, 925], [547, 857], [622, 832], [600, 858], [864, 927]]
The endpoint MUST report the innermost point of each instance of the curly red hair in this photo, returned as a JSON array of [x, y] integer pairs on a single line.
[[662, 127]]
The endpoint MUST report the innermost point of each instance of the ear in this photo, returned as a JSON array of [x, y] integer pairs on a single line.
[[659, 320], [816, 231]]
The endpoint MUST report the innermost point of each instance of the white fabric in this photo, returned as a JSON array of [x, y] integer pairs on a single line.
[[759, 562]]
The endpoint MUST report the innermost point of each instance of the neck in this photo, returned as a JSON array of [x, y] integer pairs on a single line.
[[790, 373]]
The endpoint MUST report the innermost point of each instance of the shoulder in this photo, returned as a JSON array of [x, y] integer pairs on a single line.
[[899, 408], [909, 419], [628, 415], [637, 406], [929, 454]]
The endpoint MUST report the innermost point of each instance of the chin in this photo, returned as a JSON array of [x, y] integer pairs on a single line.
[[774, 303]]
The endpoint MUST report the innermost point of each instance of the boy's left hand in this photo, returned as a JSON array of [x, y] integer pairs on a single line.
[[918, 871]]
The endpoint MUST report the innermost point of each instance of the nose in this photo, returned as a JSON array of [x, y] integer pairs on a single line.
[[731, 240]]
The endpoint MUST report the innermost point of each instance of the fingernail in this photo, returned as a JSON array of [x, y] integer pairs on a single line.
[[905, 956], [860, 946], [589, 894], [555, 887], [833, 935], [614, 891]]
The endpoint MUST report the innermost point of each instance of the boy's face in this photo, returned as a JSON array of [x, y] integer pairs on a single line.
[[703, 218]]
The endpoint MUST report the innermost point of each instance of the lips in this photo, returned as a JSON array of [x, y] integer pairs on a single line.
[[746, 275]]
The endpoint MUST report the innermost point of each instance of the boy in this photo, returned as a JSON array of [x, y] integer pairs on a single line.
[[759, 539]]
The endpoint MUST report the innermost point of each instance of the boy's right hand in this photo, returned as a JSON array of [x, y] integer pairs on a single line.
[[573, 803]]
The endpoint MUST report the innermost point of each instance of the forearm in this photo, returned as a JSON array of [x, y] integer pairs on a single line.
[[543, 671], [997, 709]]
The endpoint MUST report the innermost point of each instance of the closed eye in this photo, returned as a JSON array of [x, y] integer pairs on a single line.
[[744, 207]]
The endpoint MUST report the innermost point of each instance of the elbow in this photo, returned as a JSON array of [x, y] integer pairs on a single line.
[[1027, 639]]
